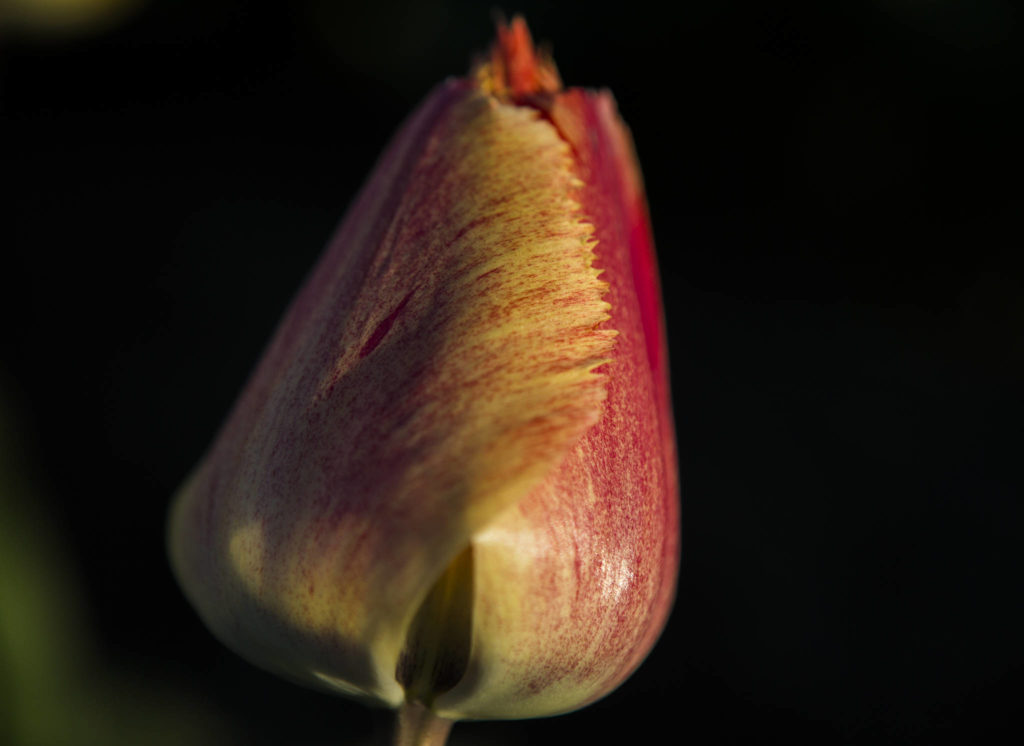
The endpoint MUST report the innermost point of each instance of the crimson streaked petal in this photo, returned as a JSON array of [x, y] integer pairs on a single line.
[[575, 582], [437, 365]]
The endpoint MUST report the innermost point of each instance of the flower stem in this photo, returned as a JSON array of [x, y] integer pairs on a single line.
[[416, 725]]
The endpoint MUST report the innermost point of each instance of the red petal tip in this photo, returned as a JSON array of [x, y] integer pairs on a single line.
[[515, 69]]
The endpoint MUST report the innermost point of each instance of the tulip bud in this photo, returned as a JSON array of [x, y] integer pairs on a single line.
[[450, 484]]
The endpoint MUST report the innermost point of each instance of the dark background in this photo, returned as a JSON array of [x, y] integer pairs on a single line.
[[835, 193]]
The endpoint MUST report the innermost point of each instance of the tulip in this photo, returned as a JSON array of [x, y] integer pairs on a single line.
[[450, 486]]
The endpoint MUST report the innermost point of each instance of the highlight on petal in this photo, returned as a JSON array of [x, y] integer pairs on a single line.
[[437, 366]]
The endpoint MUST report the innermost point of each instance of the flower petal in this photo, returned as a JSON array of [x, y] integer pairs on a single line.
[[436, 367], [573, 584]]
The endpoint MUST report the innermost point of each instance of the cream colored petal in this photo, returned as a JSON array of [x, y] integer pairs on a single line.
[[574, 583], [438, 364]]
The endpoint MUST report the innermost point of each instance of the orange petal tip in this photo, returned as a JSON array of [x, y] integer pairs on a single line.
[[514, 68]]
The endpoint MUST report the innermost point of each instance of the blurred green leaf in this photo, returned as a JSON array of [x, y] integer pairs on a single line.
[[55, 688]]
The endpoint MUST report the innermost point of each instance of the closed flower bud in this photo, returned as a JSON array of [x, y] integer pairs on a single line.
[[450, 484]]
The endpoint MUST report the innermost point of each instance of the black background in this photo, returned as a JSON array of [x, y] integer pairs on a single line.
[[835, 193]]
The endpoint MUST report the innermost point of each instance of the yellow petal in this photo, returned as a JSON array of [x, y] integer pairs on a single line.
[[437, 366]]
